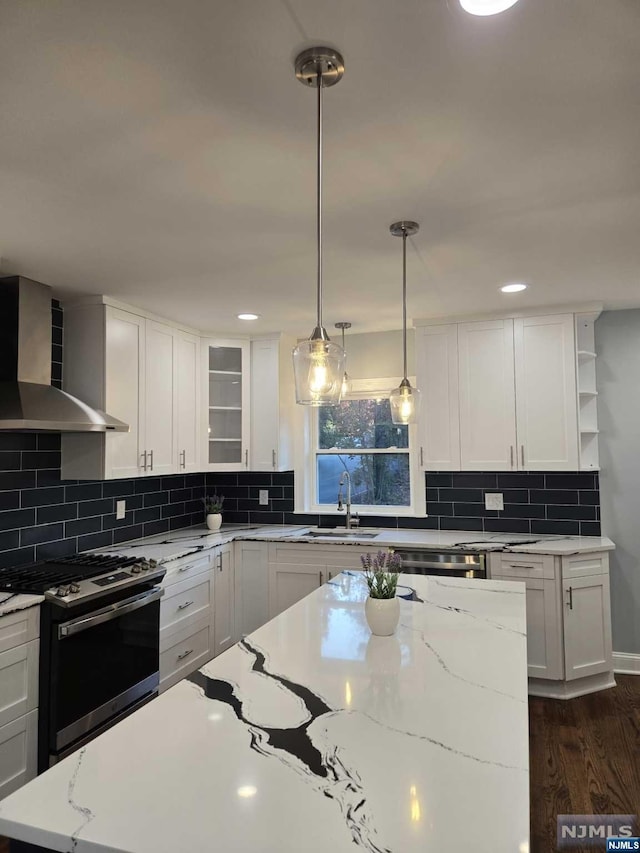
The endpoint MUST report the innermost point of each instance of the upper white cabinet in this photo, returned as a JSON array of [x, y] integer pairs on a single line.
[[139, 370], [272, 404], [546, 412], [487, 396], [500, 395], [226, 381], [437, 379]]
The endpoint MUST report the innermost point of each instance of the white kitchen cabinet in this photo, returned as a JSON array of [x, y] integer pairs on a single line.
[[251, 586], [487, 396], [568, 620], [142, 372], [437, 379], [289, 583], [223, 597], [19, 660], [272, 404], [587, 626], [545, 381], [187, 402], [160, 391], [226, 379]]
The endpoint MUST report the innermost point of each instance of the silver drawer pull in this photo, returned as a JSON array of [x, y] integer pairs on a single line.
[[185, 654], [185, 605], [186, 568], [521, 566]]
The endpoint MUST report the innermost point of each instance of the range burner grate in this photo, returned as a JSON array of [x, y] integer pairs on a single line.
[[37, 578]]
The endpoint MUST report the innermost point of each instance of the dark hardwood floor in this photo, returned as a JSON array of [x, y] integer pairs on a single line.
[[585, 759]]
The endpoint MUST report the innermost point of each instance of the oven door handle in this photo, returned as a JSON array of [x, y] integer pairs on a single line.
[[113, 611]]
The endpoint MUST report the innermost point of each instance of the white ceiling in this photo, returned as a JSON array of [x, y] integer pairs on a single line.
[[162, 152]]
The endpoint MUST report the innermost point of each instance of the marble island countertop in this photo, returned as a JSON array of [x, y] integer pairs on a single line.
[[165, 547], [312, 735]]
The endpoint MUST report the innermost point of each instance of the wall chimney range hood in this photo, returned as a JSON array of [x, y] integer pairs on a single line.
[[28, 401]]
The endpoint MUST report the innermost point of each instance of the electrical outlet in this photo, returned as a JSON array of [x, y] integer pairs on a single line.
[[493, 501], [263, 496], [121, 509]]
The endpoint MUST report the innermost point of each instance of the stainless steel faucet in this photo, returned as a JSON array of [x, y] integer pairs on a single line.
[[348, 522]]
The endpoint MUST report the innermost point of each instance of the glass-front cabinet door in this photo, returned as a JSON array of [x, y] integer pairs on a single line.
[[226, 374]]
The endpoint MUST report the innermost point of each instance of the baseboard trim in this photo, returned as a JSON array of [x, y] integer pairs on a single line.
[[571, 689], [626, 663]]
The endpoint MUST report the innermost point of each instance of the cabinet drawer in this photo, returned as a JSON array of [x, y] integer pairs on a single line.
[[18, 749], [18, 681], [583, 565], [186, 567], [186, 600], [523, 566], [19, 627], [182, 652]]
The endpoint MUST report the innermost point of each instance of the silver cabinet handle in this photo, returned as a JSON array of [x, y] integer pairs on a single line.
[[330, 575], [522, 454], [144, 458], [511, 454], [422, 457], [183, 458], [246, 459], [570, 602], [151, 460], [273, 458], [185, 605], [320, 577], [220, 562], [521, 566], [185, 654], [186, 568]]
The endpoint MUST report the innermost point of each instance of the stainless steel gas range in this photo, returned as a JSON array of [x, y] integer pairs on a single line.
[[99, 644]]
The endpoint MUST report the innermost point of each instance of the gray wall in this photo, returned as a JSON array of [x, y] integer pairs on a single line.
[[618, 375], [373, 355]]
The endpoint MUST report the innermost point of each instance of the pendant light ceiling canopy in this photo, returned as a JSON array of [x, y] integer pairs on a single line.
[[318, 363], [404, 400]]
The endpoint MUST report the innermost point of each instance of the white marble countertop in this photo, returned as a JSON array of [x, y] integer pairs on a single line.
[[165, 547], [12, 601], [312, 735]]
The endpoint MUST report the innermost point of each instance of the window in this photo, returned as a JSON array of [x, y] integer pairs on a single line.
[[358, 436]]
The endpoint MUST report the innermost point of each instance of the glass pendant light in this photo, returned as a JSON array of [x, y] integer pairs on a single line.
[[318, 363], [404, 400], [346, 381]]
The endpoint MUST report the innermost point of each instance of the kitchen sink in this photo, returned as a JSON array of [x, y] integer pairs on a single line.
[[337, 533]]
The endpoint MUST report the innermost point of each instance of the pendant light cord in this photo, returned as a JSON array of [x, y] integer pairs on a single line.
[[319, 198], [404, 300]]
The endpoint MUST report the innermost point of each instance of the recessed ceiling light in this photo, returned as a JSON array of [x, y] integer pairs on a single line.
[[513, 288], [248, 316], [247, 791], [486, 7]]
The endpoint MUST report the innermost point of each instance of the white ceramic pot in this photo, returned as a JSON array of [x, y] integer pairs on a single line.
[[382, 615], [214, 520]]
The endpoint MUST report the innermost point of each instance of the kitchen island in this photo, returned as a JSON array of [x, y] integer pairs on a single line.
[[310, 734]]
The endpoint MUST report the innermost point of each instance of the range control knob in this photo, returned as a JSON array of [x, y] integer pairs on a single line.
[[62, 591], [136, 569], [73, 587], [152, 563]]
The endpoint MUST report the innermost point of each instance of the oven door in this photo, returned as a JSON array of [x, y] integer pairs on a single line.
[[102, 662]]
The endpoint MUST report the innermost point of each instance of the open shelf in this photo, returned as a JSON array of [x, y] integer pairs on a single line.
[[227, 372], [225, 408], [585, 354], [588, 393]]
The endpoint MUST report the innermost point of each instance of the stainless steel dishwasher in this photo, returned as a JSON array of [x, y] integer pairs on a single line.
[[452, 564]]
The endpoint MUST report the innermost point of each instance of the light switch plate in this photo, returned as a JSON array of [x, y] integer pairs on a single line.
[[263, 496], [121, 509], [493, 501]]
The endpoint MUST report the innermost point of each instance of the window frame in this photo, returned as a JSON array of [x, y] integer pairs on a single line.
[[362, 389]]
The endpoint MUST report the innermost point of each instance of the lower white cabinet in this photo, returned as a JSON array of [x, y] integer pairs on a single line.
[[289, 583], [251, 587], [568, 620], [19, 658], [223, 595], [196, 613], [587, 626]]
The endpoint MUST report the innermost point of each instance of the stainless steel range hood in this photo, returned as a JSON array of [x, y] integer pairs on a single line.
[[28, 401]]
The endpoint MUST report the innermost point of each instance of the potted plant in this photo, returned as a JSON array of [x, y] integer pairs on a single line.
[[213, 511], [382, 608]]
